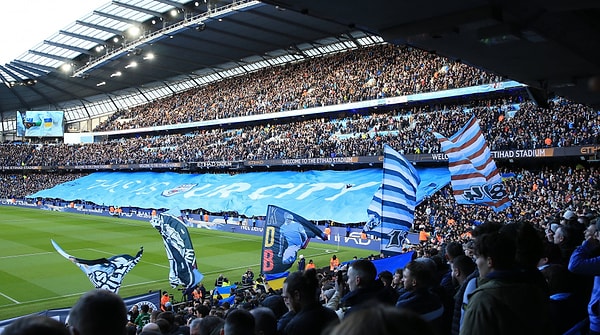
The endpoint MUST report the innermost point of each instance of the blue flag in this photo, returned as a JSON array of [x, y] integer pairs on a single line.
[[392, 210], [284, 234], [180, 252], [474, 177], [104, 273]]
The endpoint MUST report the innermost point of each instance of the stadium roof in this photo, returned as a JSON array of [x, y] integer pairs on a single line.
[[552, 45], [132, 44]]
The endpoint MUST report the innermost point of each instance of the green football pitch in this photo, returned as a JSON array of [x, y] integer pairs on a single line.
[[34, 277]]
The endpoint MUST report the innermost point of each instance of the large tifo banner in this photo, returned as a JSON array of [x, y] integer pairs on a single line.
[[341, 196]]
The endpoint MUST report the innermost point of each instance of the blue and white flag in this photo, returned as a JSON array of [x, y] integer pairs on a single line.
[[284, 234], [392, 210], [104, 273], [180, 252], [474, 177]]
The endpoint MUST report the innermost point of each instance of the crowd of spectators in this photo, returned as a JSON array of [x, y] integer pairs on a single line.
[[506, 124], [363, 74], [18, 185], [555, 202]]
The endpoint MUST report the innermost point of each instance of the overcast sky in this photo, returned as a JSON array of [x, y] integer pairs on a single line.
[[25, 24]]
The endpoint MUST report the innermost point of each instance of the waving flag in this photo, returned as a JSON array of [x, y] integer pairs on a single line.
[[180, 252], [391, 212], [285, 233], [104, 273], [474, 176]]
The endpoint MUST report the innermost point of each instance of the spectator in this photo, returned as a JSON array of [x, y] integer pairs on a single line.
[[34, 325], [98, 312], [382, 320], [301, 263], [503, 303], [209, 325], [239, 322], [585, 260], [363, 288], [265, 321], [300, 289], [144, 317], [334, 262], [418, 295]]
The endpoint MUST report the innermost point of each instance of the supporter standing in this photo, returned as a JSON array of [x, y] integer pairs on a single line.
[[418, 280], [585, 260], [144, 317], [334, 262], [301, 263], [504, 302], [98, 312], [301, 290]]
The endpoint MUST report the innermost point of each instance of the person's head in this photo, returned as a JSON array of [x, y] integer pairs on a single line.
[[164, 325], [361, 273], [238, 322], [462, 266], [560, 235], [145, 308], [151, 327], [201, 310], [35, 325], [301, 289], [590, 230], [208, 325], [569, 235], [265, 321], [569, 217], [494, 251], [551, 230], [98, 312], [416, 274], [167, 315], [275, 303], [529, 243], [469, 251], [454, 249], [397, 279], [386, 277], [382, 320]]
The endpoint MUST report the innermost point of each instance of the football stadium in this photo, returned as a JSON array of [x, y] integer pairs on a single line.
[[298, 167]]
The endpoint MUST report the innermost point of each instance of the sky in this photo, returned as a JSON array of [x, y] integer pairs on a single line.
[[25, 24]]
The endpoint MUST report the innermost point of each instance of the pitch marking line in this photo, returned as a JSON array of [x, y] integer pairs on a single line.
[[9, 298], [26, 255]]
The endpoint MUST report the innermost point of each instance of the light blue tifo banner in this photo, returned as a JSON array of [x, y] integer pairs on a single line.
[[341, 196]]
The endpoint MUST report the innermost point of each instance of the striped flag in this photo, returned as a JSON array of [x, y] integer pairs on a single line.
[[474, 176], [391, 212]]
